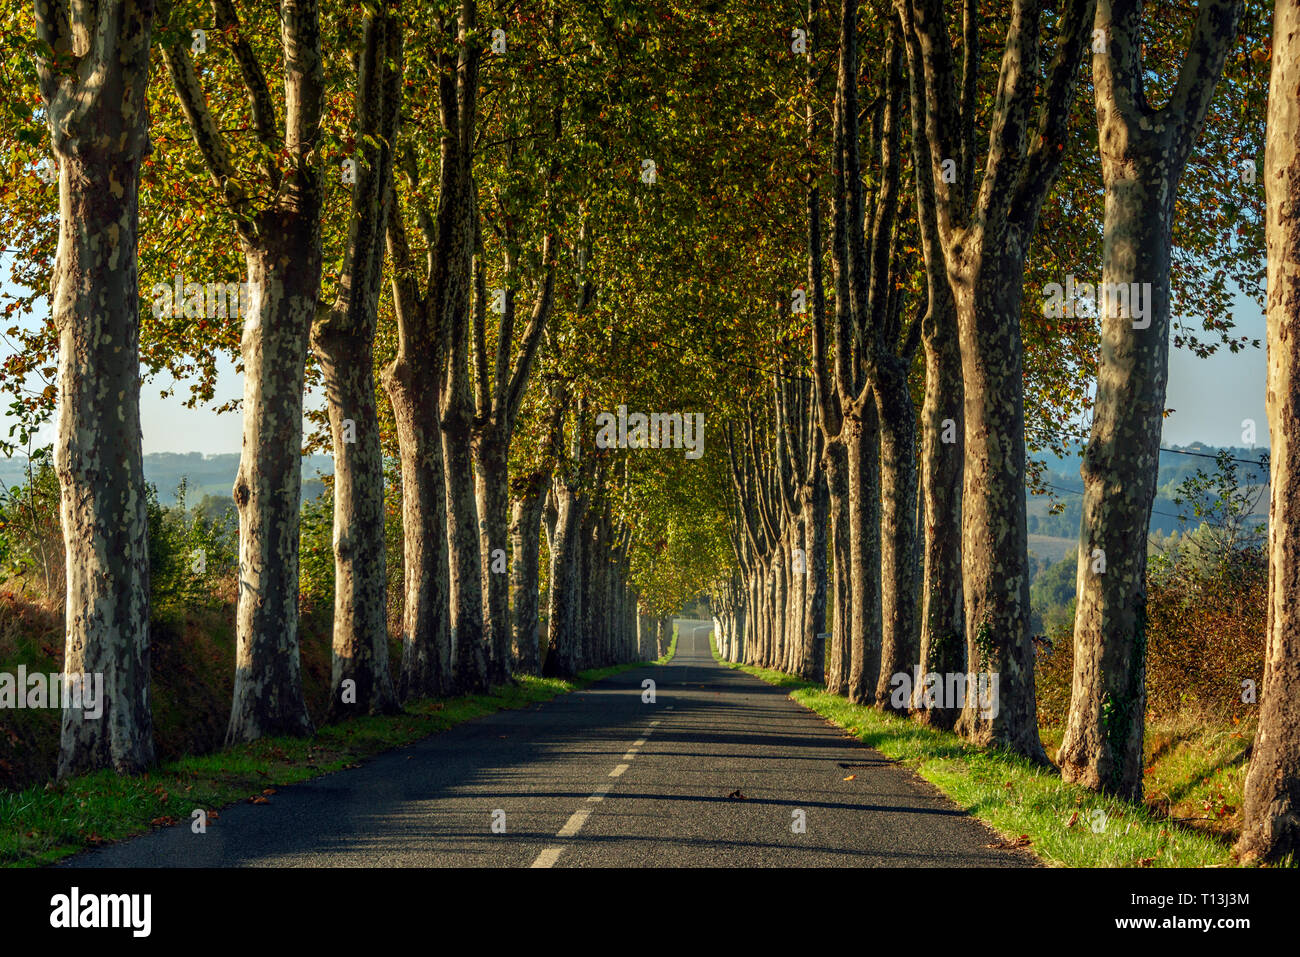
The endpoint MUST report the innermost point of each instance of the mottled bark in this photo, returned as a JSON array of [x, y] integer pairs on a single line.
[[862, 434], [811, 666], [98, 117], [839, 653], [564, 609], [281, 243], [525, 546], [995, 562], [943, 626], [943, 643], [343, 341], [985, 234], [1143, 152], [426, 618], [1271, 830], [899, 649], [284, 276], [492, 500], [469, 649]]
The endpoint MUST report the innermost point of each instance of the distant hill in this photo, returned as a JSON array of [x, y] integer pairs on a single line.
[[206, 474], [1177, 463]]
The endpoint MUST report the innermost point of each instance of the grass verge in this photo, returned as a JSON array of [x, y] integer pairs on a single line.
[[40, 825], [1065, 825], [672, 650]]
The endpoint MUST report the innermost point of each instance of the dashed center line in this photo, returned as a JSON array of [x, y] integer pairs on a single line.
[[575, 822], [549, 855]]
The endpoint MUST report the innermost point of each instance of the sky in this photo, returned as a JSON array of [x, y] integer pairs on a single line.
[[1212, 397]]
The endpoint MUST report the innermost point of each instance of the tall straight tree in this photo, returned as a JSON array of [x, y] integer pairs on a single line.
[[343, 341], [828, 383], [985, 237], [498, 398], [1143, 152], [428, 385], [458, 213], [525, 540], [859, 288], [281, 242], [564, 654], [413, 383], [943, 647], [94, 74], [1271, 831]]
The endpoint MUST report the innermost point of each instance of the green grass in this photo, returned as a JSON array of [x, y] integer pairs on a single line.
[[1018, 799], [40, 825], [672, 650]]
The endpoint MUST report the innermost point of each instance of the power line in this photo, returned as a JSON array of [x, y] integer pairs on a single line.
[[1072, 491], [1201, 455]]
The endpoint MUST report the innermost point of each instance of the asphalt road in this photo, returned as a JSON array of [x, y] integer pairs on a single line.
[[602, 778]]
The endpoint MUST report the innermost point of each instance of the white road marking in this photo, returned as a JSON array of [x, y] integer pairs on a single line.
[[574, 824], [548, 857], [654, 722], [629, 756], [638, 742], [618, 771], [598, 796]]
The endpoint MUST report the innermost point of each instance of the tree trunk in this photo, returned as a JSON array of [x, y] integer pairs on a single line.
[[525, 540], [810, 666], [100, 135], [898, 649], [837, 483], [284, 275], [564, 611], [426, 618], [863, 444], [343, 341], [492, 478], [1142, 159], [1271, 831], [469, 650], [943, 634], [360, 645], [995, 565]]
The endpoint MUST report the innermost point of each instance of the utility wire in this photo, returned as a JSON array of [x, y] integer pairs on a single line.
[[1202, 455]]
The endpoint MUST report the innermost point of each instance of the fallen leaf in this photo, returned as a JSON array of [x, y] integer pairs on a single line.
[[1074, 819], [850, 777], [258, 799]]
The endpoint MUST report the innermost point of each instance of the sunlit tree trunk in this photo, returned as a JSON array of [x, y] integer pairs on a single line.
[[96, 107], [1271, 830], [1143, 152]]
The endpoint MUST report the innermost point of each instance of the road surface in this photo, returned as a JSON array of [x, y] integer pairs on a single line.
[[602, 777]]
